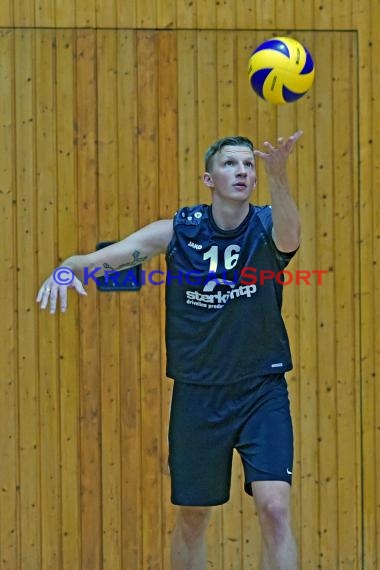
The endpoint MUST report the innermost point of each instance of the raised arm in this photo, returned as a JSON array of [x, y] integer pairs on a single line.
[[286, 223], [133, 250]]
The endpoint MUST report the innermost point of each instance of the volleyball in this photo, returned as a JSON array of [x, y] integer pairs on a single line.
[[281, 70]]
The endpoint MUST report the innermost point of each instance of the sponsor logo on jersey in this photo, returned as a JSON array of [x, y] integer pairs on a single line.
[[194, 245], [219, 299]]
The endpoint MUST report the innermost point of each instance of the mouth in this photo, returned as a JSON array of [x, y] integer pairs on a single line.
[[240, 186]]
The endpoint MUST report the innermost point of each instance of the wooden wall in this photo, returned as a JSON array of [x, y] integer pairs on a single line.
[[106, 108]]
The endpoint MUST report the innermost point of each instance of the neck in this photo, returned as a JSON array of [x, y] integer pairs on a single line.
[[229, 215]]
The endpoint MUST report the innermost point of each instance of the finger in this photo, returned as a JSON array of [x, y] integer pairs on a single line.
[[260, 154], [269, 145], [280, 140], [77, 284], [63, 297], [44, 298], [53, 300], [40, 294]]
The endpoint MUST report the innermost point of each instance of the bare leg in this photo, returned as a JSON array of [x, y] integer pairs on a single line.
[[189, 538], [273, 506]]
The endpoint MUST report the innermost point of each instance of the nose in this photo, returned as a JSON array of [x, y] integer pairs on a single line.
[[241, 170]]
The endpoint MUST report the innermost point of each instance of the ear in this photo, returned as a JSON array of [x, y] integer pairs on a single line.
[[207, 180]]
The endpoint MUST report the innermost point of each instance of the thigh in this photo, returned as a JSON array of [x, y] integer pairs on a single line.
[[266, 440], [200, 449]]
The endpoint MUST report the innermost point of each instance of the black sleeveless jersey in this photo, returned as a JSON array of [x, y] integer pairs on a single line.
[[221, 325]]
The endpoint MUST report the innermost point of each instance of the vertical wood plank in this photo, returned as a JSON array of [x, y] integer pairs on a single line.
[[265, 15], [24, 13], [48, 346], [6, 13], [284, 14], [247, 126], [246, 16], [130, 374], [85, 13], [207, 93], [226, 14], [149, 305], [9, 437], [306, 414], [206, 14], [69, 339], [186, 13], [227, 125], [344, 101], [45, 13], [326, 303], [368, 20], [226, 83], [126, 14], [105, 11], [146, 14], [168, 203], [109, 302], [65, 13], [167, 14], [187, 110], [86, 101], [30, 507], [374, 44], [303, 15], [323, 13]]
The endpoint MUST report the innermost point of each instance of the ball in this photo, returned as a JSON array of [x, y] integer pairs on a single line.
[[281, 70]]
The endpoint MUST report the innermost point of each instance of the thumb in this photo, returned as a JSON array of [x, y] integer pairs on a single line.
[[79, 287]]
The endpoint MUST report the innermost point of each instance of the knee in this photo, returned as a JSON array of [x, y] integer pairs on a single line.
[[274, 516], [193, 522]]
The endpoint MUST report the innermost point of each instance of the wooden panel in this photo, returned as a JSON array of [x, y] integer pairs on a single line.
[[168, 204], [9, 429], [345, 161], [45, 148], [28, 405], [106, 14], [107, 121], [45, 13], [85, 16], [149, 304], [6, 13], [146, 14], [130, 383], [86, 111], [368, 18], [65, 13], [69, 338], [187, 125], [325, 311], [24, 13]]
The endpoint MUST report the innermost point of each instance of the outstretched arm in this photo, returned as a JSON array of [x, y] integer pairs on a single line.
[[133, 250], [286, 223]]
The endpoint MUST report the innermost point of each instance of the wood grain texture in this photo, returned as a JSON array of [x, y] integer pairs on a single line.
[[104, 130]]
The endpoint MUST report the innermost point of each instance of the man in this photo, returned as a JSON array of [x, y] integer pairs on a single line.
[[227, 347]]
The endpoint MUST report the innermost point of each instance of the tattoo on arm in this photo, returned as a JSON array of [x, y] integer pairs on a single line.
[[136, 260]]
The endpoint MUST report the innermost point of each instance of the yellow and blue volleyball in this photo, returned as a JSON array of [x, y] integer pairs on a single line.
[[281, 70]]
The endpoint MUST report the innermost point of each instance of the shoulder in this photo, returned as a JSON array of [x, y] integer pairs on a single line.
[[191, 215], [264, 213]]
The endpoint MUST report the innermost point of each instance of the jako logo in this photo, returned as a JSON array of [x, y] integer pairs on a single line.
[[194, 245]]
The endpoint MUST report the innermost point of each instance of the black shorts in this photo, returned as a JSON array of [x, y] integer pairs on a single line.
[[208, 422]]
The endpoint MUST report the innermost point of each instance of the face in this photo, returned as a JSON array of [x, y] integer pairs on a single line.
[[233, 173]]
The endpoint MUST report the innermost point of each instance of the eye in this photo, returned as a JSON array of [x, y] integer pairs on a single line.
[[249, 163], [228, 162]]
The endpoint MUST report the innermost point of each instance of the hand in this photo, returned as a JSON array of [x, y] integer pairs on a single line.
[[275, 158], [51, 290]]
